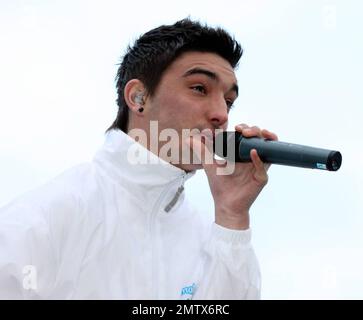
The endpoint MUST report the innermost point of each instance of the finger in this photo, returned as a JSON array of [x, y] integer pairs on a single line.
[[269, 135], [260, 174], [240, 127], [248, 131], [252, 132]]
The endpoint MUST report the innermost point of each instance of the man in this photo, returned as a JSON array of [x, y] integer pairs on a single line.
[[120, 226]]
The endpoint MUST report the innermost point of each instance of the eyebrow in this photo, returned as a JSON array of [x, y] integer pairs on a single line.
[[209, 74]]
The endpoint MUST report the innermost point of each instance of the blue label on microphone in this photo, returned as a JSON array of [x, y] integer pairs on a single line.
[[321, 166]]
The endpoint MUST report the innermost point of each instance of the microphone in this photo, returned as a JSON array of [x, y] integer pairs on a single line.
[[234, 147]]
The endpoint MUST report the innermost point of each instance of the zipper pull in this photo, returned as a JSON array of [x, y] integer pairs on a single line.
[[175, 199]]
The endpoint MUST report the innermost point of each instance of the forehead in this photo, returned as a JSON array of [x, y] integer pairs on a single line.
[[205, 60]]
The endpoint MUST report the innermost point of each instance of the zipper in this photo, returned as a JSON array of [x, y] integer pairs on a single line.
[[176, 197], [154, 249]]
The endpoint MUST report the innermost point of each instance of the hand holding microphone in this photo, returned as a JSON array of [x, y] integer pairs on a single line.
[[234, 187], [235, 147], [252, 150]]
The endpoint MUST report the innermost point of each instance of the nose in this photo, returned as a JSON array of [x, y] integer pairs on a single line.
[[218, 113]]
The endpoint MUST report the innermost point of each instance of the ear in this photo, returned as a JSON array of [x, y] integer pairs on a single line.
[[135, 95]]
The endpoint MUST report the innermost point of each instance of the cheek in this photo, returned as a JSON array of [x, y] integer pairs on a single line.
[[177, 109]]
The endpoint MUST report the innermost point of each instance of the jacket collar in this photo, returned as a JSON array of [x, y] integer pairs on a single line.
[[130, 162]]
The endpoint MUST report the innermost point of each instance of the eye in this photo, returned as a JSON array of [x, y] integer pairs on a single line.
[[199, 88], [229, 104]]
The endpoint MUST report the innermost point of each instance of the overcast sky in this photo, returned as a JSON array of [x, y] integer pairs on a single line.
[[300, 76]]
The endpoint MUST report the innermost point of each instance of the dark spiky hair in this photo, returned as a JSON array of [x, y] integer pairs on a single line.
[[157, 49]]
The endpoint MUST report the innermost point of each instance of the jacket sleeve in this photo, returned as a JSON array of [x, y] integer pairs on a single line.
[[230, 270], [27, 263]]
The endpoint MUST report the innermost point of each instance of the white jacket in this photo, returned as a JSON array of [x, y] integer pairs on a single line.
[[111, 229]]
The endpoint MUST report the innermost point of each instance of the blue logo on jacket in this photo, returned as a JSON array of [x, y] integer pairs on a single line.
[[187, 292]]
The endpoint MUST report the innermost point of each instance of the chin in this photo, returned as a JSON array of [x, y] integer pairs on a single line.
[[190, 167]]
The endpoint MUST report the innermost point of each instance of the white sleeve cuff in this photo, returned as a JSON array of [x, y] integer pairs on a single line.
[[230, 235]]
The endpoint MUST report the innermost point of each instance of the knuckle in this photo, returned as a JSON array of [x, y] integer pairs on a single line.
[[256, 131], [264, 180], [243, 126]]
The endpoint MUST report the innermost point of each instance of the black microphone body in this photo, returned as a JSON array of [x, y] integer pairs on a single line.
[[235, 147]]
